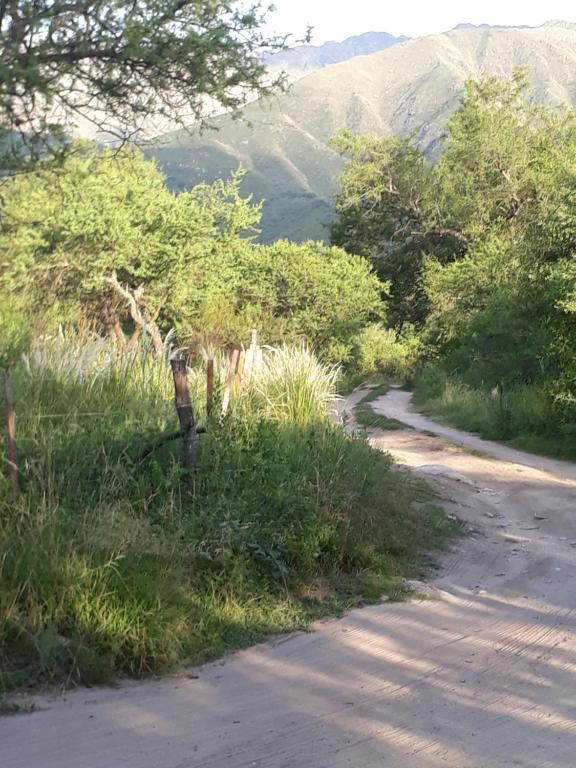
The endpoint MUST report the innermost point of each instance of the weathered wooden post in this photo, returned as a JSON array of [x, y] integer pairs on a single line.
[[209, 385], [185, 415], [10, 418]]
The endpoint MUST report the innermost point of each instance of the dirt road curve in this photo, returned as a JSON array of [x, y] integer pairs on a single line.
[[482, 676]]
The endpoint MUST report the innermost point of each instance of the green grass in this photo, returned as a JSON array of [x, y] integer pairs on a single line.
[[366, 417], [523, 417], [113, 566], [350, 380]]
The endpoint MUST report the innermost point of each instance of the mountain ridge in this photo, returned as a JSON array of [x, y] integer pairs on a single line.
[[304, 59], [409, 90]]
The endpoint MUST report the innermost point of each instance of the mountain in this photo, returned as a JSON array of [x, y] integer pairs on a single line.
[[409, 90], [467, 25], [304, 59]]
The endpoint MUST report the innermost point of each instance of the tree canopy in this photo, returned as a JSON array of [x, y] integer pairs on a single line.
[[101, 240], [119, 64], [478, 247]]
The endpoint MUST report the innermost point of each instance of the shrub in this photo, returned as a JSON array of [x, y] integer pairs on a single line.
[[383, 350], [189, 259], [293, 386]]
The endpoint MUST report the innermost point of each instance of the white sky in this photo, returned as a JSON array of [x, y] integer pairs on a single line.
[[338, 19]]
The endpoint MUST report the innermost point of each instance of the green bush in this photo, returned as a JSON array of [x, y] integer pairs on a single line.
[[383, 350], [114, 564], [526, 415], [189, 258]]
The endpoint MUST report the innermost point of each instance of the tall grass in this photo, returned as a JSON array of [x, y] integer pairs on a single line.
[[292, 386], [523, 415], [110, 564]]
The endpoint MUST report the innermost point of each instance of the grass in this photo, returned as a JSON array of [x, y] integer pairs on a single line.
[[113, 566], [366, 417], [523, 417]]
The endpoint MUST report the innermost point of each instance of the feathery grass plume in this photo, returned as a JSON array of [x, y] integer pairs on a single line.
[[293, 386]]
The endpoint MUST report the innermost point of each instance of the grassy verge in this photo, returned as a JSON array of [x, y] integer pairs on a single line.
[[111, 565], [366, 416], [350, 380], [522, 417]]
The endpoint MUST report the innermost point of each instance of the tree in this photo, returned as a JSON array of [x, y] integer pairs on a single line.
[[479, 248], [508, 169], [508, 177], [115, 249], [313, 292], [387, 212], [505, 181], [102, 239], [118, 64]]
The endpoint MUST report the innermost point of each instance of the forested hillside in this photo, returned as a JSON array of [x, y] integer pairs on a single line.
[[407, 90]]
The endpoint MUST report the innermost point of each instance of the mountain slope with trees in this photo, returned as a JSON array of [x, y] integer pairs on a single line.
[[407, 90]]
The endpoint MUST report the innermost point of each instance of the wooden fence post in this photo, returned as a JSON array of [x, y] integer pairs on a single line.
[[209, 385], [10, 417], [185, 415]]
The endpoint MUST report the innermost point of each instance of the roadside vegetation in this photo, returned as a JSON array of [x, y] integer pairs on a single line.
[[457, 277], [366, 417], [113, 565], [524, 416], [477, 251], [110, 563]]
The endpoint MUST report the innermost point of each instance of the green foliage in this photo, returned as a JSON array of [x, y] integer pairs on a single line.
[[523, 414], [149, 60], [314, 292], [365, 416], [499, 313], [383, 350], [112, 565], [482, 241], [188, 259], [14, 327], [291, 386], [387, 212]]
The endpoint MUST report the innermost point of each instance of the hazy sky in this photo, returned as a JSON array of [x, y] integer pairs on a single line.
[[337, 19]]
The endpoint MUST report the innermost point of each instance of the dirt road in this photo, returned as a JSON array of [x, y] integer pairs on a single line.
[[481, 676]]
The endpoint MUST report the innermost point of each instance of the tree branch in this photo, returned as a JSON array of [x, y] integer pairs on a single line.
[[134, 301]]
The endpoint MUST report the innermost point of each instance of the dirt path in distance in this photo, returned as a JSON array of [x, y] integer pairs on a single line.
[[483, 675]]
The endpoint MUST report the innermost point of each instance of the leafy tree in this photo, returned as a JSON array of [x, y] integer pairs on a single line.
[[479, 247], [313, 292], [119, 64], [387, 211], [102, 238], [508, 178], [116, 249], [561, 285], [508, 169]]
